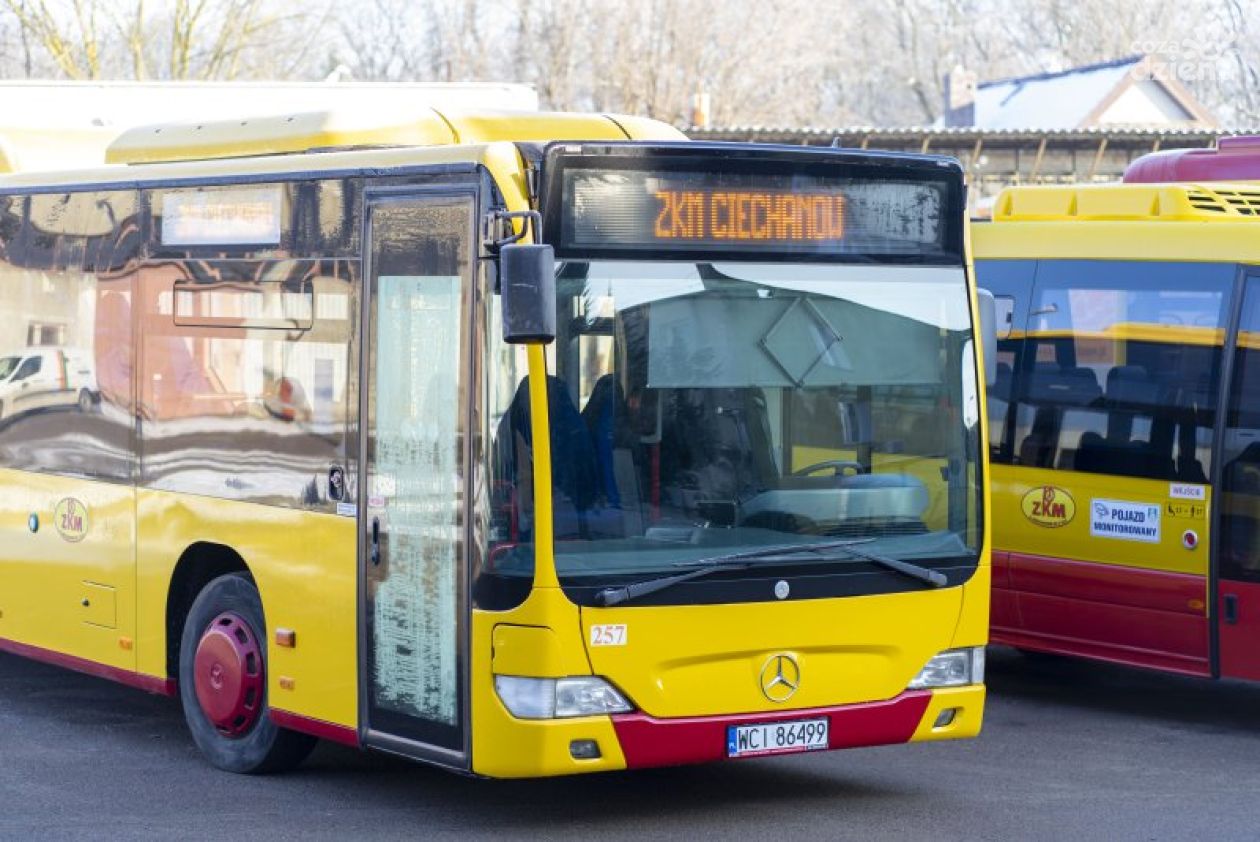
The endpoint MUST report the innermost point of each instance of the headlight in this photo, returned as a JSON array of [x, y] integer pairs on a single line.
[[553, 698], [954, 668]]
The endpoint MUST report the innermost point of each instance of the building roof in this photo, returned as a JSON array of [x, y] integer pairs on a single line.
[[855, 135], [1128, 91], [1059, 100]]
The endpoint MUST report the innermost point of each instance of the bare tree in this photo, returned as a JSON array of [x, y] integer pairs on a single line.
[[381, 41], [173, 39], [793, 62]]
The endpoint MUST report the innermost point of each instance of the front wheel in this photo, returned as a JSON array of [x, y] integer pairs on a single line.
[[223, 682]]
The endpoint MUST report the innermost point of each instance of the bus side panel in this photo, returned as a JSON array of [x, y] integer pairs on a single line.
[[66, 563], [304, 565], [1066, 587], [67, 560], [1239, 637]]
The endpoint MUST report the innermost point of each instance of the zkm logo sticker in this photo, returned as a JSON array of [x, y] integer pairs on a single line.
[[1049, 506], [71, 519]]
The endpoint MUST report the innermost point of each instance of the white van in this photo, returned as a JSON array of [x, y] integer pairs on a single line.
[[41, 378]]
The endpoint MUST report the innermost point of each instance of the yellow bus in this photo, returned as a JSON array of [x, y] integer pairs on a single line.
[[522, 444], [1124, 423]]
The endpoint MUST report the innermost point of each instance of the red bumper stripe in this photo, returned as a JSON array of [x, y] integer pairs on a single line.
[[646, 741], [315, 727], [148, 683]]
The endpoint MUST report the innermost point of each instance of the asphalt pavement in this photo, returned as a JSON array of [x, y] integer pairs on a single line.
[[1070, 750]]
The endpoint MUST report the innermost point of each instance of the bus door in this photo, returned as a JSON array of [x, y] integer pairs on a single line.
[[413, 492], [1238, 512]]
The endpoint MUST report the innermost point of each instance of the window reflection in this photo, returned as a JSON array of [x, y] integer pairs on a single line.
[[1119, 369], [1240, 452], [244, 384], [242, 402], [65, 370]]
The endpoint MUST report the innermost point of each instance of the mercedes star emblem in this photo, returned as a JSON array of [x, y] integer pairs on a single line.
[[780, 677]]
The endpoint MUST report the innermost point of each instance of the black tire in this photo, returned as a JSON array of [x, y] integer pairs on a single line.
[[85, 402], [1036, 656], [265, 747]]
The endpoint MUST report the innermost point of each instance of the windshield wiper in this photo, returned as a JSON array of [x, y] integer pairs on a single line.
[[705, 566], [926, 575], [738, 561], [625, 593]]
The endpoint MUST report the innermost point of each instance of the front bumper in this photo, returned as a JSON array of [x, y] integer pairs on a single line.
[[514, 748], [647, 741]]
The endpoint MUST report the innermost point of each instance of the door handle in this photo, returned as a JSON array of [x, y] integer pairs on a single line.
[[1231, 608], [376, 541]]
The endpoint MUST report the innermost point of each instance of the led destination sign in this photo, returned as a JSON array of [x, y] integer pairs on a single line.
[[771, 215], [749, 215]]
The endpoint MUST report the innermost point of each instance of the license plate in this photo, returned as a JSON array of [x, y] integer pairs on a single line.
[[776, 737]]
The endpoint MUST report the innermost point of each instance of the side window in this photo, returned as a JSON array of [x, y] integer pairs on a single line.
[[29, 367], [1239, 494], [1011, 283], [1120, 368], [67, 409], [245, 387]]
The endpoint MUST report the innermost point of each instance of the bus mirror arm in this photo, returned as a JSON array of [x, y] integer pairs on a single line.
[[987, 307]]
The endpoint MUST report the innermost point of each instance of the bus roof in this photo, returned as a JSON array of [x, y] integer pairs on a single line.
[[339, 130], [262, 143], [1233, 159], [1129, 203], [1211, 223], [25, 149]]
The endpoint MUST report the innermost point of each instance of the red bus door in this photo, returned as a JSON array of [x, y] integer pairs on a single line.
[[1238, 501]]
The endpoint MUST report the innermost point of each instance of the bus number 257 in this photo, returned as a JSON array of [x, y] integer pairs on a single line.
[[609, 635]]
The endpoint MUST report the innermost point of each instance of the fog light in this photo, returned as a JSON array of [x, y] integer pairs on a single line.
[[945, 717], [584, 750]]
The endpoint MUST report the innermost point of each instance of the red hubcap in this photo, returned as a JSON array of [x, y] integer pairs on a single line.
[[228, 675]]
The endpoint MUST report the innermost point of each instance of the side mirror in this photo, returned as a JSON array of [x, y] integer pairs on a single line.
[[988, 334], [527, 284]]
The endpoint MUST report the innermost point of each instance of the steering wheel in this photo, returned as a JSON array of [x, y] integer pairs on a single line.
[[837, 466]]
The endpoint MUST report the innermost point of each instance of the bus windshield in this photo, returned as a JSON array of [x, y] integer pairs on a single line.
[[721, 407]]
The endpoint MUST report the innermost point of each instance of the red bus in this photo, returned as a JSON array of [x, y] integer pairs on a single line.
[[1233, 159]]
